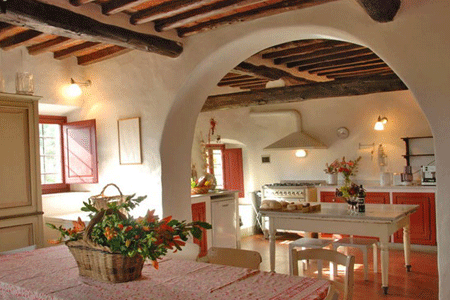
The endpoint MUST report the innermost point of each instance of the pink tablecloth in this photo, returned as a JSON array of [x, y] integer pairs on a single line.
[[51, 273]]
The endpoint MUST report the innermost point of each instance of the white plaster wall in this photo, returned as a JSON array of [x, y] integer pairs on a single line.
[[321, 118]]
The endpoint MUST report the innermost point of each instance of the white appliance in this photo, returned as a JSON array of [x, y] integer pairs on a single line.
[[224, 221]]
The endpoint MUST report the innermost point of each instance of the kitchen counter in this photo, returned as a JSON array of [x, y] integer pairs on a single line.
[[215, 193], [387, 188]]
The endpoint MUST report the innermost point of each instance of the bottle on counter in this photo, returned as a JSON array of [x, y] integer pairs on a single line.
[[361, 200]]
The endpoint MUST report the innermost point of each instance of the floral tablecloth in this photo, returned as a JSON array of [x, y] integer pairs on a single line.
[[52, 273]]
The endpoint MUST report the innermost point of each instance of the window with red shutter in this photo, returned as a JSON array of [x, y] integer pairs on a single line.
[[68, 153]]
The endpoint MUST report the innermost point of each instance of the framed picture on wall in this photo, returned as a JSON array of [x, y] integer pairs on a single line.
[[129, 141]]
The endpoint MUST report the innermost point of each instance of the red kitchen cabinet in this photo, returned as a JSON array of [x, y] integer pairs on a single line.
[[199, 214], [423, 221]]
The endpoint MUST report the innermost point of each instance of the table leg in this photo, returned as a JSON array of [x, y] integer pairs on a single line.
[[407, 246], [384, 262], [272, 233]]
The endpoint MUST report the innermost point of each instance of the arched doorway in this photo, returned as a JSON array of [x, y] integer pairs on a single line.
[[389, 45]]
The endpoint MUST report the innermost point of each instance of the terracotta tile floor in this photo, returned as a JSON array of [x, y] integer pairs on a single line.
[[420, 283]]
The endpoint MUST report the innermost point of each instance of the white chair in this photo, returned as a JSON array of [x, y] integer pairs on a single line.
[[234, 257], [363, 244], [18, 250], [308, 243], [332, 256], [190, 251]]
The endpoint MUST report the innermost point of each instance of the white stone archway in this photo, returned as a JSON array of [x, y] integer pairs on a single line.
[[425, 70]]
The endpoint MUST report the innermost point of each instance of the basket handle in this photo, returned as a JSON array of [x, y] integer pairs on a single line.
[[111, 184], [96, 219]]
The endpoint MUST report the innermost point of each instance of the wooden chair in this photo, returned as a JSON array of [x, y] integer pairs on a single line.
[[308, 243], [234, 257], [363, 244], [24, 249], [331, 256]]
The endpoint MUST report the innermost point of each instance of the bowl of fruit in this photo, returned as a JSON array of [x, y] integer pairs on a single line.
[[203, 184]]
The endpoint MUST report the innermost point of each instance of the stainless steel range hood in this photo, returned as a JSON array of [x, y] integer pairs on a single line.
[[293, 141]]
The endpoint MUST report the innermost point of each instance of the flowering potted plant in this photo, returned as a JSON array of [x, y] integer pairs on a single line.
[[331, 171], [111, 236]]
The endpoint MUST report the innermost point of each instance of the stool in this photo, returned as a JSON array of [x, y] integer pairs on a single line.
[[307, 243], [363, 244]]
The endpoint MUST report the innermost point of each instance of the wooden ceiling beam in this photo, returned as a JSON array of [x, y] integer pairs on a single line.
[[381, 10], [254, 83], [375, 69], [48, 45], [166, 10], [381, 65], [364, 76], [241, 82], [19, 39], [202, 13], [55, 20], [101, 55], [349, 54], [268, 72], [8, 30], [305, 49], [338, 62], [237, 78], [253, 87], [315, 54], [74, 50], [248, 15], [80, 2], [336, 88], [348, 65], [290, 45], [117, 6]]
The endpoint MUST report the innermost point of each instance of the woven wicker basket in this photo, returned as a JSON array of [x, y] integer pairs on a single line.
[[101, 201], [98, 262], [200, 190]]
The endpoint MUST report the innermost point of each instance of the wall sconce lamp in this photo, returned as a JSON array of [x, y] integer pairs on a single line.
[[379, 125], [74, 89], [301, 153]]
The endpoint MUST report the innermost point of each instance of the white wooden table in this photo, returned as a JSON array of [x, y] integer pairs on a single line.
[[379, 220]]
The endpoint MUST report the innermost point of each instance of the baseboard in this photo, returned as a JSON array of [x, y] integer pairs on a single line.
[[248, 231]]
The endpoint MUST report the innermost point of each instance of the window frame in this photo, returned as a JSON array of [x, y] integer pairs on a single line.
[[56, 187]]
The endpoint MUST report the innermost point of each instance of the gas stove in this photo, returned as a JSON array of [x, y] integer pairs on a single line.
[[292, 190]]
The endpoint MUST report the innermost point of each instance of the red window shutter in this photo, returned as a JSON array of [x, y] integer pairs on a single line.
[[233, 171], [80, 152]]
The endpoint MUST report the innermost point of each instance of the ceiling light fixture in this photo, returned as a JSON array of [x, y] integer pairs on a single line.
[[74, 89], [379, 125], [301, 153]]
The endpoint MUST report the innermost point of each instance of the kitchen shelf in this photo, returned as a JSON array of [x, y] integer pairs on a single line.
[[407, 156]]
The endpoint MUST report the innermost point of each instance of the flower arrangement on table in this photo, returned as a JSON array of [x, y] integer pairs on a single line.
[[349, 191], [112, 231]]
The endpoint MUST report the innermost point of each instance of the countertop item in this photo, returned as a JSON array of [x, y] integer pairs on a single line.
[[51, 273]]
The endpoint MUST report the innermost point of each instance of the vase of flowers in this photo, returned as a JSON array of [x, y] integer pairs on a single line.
[[331, 171], [114, 246], [349, 191]]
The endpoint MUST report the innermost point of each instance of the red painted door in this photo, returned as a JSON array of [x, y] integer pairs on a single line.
[[233, 173], [199, 214], [423, 221], [80, 152]]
